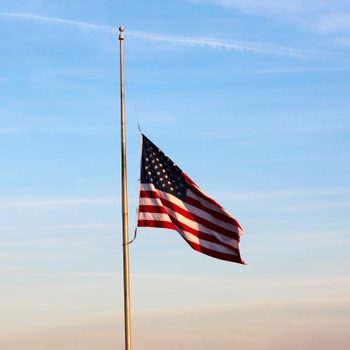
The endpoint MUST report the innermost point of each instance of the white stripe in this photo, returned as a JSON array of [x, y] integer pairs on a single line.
[[193, 224], [154, 216], [148, 187], [151, 201]]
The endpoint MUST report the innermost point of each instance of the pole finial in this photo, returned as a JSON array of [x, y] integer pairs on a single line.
[[121, 30]]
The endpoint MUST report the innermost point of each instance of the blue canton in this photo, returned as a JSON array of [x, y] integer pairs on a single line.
[[161, 171]]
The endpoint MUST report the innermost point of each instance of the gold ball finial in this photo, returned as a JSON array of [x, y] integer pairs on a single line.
[[121, 29]]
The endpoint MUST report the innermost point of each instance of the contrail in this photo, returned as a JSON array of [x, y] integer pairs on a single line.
[[213, 43], [33, 17]]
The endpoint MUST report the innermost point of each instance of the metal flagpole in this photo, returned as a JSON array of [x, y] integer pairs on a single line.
[[127, 323]]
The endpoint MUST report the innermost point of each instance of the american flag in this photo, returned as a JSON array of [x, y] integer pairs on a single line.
[[170, 199]]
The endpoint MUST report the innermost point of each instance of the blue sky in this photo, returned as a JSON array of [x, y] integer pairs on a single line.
[[248, 98]]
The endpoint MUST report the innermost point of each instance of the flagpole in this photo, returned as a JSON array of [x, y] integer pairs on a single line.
[[127, 321]]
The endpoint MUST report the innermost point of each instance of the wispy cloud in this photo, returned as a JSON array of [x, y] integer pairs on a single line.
[[290, 8], [39, 125], [317, 237], [6, 228], [335, 22], [82, 25], [334, 192], [83, 226], [10, 131], [44, 202], [178, 279], [263, 6], [212, 43], [321, 16]]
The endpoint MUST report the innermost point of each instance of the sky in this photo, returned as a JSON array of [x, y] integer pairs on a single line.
[[250, 99]]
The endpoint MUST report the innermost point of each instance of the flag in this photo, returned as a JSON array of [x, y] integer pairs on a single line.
[[170, 199]]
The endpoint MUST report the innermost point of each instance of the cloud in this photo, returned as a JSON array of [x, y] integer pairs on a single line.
[[27, 124], [10, 131], [212, 43], [83, 226], [335, 22], [317, 237], [6, 228], [272, 7], [334, 192], [45, 202], [320, 16], [345, 42], [82, 25], [316, 282], [243, 326], [284, 8]]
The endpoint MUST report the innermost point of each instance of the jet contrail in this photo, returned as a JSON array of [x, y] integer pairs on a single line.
[[85, 25], [213, 43]]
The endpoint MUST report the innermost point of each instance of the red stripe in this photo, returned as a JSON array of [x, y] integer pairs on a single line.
[[152, 209], [189, 215], [149, 194], [153, 223]]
